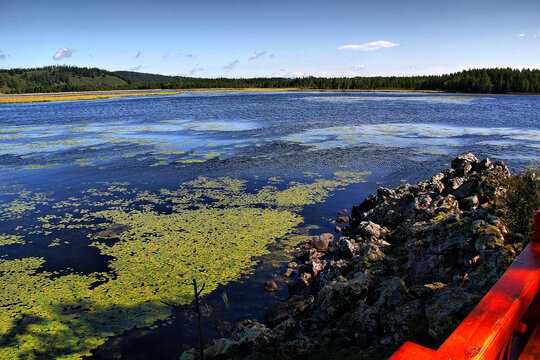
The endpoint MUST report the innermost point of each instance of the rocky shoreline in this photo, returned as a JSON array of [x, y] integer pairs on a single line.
[[410, 264]]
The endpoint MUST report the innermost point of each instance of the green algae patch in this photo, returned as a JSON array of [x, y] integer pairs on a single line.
[[38, 167], [168, 247], [7, 239], [209, 229]]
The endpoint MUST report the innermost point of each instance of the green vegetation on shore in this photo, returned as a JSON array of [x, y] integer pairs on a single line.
[[70, 78], [520, 200]]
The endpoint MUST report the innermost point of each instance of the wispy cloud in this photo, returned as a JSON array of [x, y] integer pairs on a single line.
[[256, 55], [62, 53], [537, 34], [371, 46], [190, 55], [232, 64], [522, 35], [288, 74], [2, 55], [357, 67], [136, 68], [196, 69], [138, 54]]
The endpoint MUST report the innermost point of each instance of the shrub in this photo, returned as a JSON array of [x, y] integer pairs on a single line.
[[521, 200]]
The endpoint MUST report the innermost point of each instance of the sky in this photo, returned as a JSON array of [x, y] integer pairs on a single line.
[[255, 38]]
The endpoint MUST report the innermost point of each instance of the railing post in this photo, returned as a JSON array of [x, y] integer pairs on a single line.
[[535, 236]]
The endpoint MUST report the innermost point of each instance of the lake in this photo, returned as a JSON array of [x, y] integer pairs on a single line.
[[109, 208]]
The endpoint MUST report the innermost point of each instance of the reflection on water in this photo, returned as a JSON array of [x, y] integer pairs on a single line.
[[431, 99], [420, 137]]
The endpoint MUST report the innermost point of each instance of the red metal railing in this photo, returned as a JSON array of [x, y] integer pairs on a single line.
[[511, 306]]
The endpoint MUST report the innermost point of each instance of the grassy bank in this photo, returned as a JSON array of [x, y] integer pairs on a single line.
[[92, 95]]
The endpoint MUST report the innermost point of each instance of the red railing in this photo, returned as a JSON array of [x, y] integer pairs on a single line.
[[511, 307]]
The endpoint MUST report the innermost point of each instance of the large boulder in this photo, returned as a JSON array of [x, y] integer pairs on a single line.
[[322, 242]]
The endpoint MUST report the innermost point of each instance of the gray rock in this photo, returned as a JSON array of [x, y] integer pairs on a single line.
[[288, 309], [463, 164], [289, 272], [342, 219], [322, 242], [392, 293], [367, 229], [270, 286], [346, 248], [341, 293], [469, 203], [314, 267]]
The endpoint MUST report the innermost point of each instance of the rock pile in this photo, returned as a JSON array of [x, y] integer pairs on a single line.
[[411, 264]]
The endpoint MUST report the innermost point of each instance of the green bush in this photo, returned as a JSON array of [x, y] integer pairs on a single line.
[[521, 200]]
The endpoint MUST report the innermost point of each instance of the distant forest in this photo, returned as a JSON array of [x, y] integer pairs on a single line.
[[70, 78]]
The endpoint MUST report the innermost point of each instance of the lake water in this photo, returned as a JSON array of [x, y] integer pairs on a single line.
[[109, 208]]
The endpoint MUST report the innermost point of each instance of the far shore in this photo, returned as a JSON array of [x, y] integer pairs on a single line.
[[106, 94]]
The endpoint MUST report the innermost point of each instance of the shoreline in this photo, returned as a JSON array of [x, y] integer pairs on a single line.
[[411, 263], [96, 95], [108, 94]]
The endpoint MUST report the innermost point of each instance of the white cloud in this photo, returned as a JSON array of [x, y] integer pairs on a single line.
[[288, 74], [537, 34], [62, 53], [2, 55], [136, 68], [371, 46], [232, 64], [522, 35], [189, 55], [138, 54], [325, 74], [257, 55], [196, 69], [357, 67]]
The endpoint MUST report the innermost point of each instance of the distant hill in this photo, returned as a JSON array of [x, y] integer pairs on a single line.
[[58, 79], [71, 78], [133, 77]]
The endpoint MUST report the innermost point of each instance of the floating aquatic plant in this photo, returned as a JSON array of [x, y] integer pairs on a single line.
[[8, 239], [207, 229]]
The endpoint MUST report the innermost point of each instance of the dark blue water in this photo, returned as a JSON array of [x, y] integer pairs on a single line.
[[154, 142], [264, 133]]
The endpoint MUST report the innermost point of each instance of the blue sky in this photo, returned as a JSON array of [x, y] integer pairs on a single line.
[[209, 38]]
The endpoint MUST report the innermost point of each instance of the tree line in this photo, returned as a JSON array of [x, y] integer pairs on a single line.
[[71, 78]]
